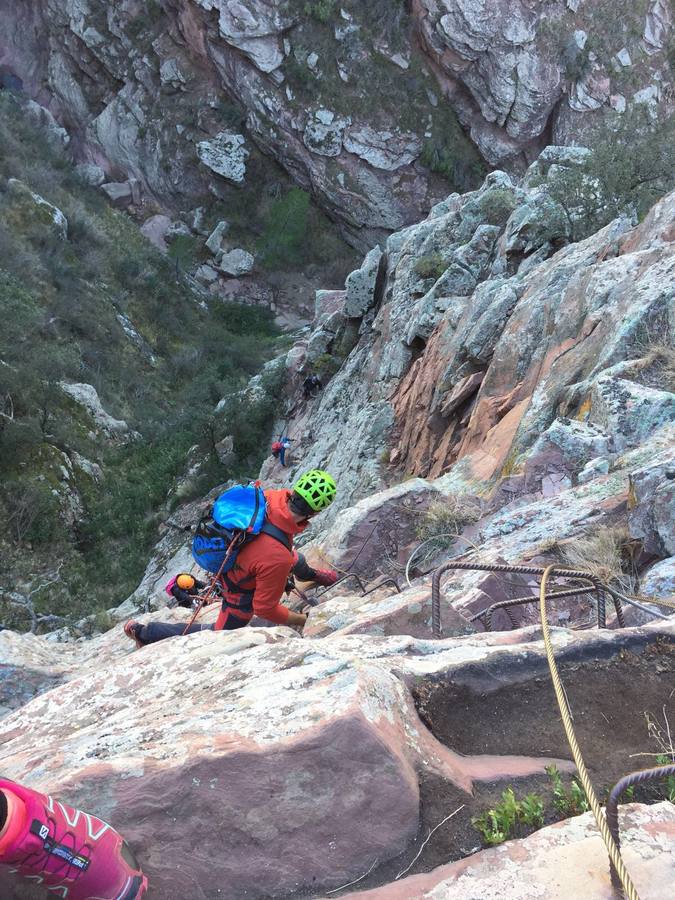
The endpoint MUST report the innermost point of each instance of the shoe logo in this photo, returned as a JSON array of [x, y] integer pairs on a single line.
[[52, 847]]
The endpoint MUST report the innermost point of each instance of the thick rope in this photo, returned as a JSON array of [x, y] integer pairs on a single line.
[[610, 843]]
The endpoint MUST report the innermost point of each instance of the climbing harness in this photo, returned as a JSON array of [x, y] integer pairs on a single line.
[[211, 589]]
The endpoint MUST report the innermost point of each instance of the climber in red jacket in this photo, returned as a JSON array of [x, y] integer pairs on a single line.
[[256, 583]]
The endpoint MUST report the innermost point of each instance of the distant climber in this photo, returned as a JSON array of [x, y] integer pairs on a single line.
[[311, 386], [184, 588], [279, 448], [71, 853], [256, 583]]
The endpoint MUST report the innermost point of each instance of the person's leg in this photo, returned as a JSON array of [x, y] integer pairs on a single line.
[[158, 631], [282, 456], [228, 619]]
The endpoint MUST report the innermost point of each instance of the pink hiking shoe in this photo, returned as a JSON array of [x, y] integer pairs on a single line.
[[71, 853]]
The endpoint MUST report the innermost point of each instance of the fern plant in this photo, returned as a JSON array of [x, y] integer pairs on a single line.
[[568, 802], [498, 824]]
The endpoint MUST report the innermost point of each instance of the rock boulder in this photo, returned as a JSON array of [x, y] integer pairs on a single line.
[[564, 860], [309, 757], [236, 262], [226, 155]]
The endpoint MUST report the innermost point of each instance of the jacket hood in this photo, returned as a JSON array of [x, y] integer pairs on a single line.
[[279, 514]]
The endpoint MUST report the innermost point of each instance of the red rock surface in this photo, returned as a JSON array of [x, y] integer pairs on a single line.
[[564, 861]]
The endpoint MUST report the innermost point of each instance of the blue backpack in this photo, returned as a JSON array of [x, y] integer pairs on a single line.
[[238, 515]]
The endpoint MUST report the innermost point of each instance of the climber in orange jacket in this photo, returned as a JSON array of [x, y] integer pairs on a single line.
[[256, 583]]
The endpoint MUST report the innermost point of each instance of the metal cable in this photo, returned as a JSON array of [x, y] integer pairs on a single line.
[[434, 537], [610, 843], [658, 600], [633, 602], [612, 808]]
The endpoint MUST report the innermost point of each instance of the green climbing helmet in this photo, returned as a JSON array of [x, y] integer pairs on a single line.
[[317, 489]]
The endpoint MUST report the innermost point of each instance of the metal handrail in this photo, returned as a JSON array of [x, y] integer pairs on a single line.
[[500, 567]]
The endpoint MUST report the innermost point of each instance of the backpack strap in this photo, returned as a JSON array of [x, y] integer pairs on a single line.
[[258, 492], [247, 595], [277, 534]]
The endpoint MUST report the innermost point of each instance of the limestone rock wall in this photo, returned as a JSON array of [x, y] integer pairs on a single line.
[[179, 94], [483, 352], [357, 102]]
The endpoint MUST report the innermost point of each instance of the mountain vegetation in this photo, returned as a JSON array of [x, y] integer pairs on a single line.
[[85, 299]]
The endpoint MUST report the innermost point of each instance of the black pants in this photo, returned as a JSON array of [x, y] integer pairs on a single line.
[[157, 631]]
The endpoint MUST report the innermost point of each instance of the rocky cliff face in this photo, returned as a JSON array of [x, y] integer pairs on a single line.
[[183, 96], [357, 102], [484, 375], [494, 386], [474, 342], [309, 758]]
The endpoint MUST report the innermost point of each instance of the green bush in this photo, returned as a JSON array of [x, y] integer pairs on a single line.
[[532, 811], [431, 265], [632, 165], [326, 365], [446, 155], [498, 824], [496, 205], [283, 243], [248, 418], [60, 304], [663, 759], [568, 801], [321, 10], [31, 510], [184, 251], [577, 61], [231, 116]]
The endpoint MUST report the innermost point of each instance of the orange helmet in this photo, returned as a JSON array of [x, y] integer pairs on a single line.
[[185, 582]]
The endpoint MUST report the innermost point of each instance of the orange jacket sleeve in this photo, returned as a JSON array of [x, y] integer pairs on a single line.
[[270, 581]]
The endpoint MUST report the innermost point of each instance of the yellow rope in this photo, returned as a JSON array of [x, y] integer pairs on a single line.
[[612, 848]]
